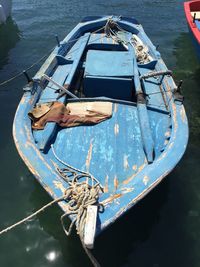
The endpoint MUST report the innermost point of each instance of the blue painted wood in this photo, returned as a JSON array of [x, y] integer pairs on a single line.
[[117, 151], [63, 75], [109, 63], [147, 140]]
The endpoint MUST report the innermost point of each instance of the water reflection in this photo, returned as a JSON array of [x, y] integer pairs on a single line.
[[51, 256], [188, 69], [123, 238], [49, 221], [9, 36]]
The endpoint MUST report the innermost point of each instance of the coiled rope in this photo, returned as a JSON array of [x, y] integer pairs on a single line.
[[35, 213], [79, 196], [83, 191]]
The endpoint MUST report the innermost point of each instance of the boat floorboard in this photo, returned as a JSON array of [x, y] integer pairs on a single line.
[[111, 150]]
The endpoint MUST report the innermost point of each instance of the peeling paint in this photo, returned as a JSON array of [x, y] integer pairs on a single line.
[[60, 186], [134, 167], [89, 156], [110, 199], [134, 174], [166, 142], [115, 107], [126, 190], [54, 181], [126, 165], [145, 180], [116, 182], [116, 129], [183, 115], [106, 184], [135, 200], [49, 190], [167, 134]]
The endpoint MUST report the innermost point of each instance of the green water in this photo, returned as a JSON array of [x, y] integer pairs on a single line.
[[163, 230]]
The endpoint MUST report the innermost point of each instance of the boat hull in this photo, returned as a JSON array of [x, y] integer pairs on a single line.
[[103, 148]]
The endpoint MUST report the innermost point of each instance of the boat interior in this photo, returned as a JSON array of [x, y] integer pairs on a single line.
[[195, 13], [102, 67]]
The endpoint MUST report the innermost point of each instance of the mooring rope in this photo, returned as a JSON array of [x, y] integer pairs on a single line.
[[22, 72], [40, 59], [80, 196], [35, 213]]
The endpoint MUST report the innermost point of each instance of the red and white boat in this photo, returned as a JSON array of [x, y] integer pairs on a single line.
[[192, 12]]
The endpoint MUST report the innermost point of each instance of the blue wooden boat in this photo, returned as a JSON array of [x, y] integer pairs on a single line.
[[104, 64]]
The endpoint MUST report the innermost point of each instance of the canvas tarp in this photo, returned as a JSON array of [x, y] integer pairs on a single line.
[[73, 114]]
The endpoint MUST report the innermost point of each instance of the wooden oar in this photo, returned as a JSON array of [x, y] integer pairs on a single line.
[[147, 139]]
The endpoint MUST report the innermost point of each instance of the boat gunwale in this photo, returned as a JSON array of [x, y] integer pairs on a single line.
[[162, 164]]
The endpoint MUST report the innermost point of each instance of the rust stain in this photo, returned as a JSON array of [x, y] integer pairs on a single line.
[[89, 156], [39, 155], [116, 182], [148, 189], [59, 185], [136, 199], [166, 142], [126, 190], [106, 184], [134, 174], [63, 205], [126, 165], [116, 129], [54, 164], [49, 190], [110, 199], [183, 115], [145, 180], [134, 167], [167, 134], [23, 100]]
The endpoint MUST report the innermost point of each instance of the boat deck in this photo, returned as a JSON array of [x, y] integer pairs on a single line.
[[112, 150], [129, 153]]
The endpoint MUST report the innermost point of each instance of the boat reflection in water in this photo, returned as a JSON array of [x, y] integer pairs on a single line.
[[9, 36], [5, 10]]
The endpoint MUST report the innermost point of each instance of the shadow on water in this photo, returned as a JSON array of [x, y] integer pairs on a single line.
[[72, 251], [112, 248], [162, 230], [9, 36], [188, 69], [119, 243]]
